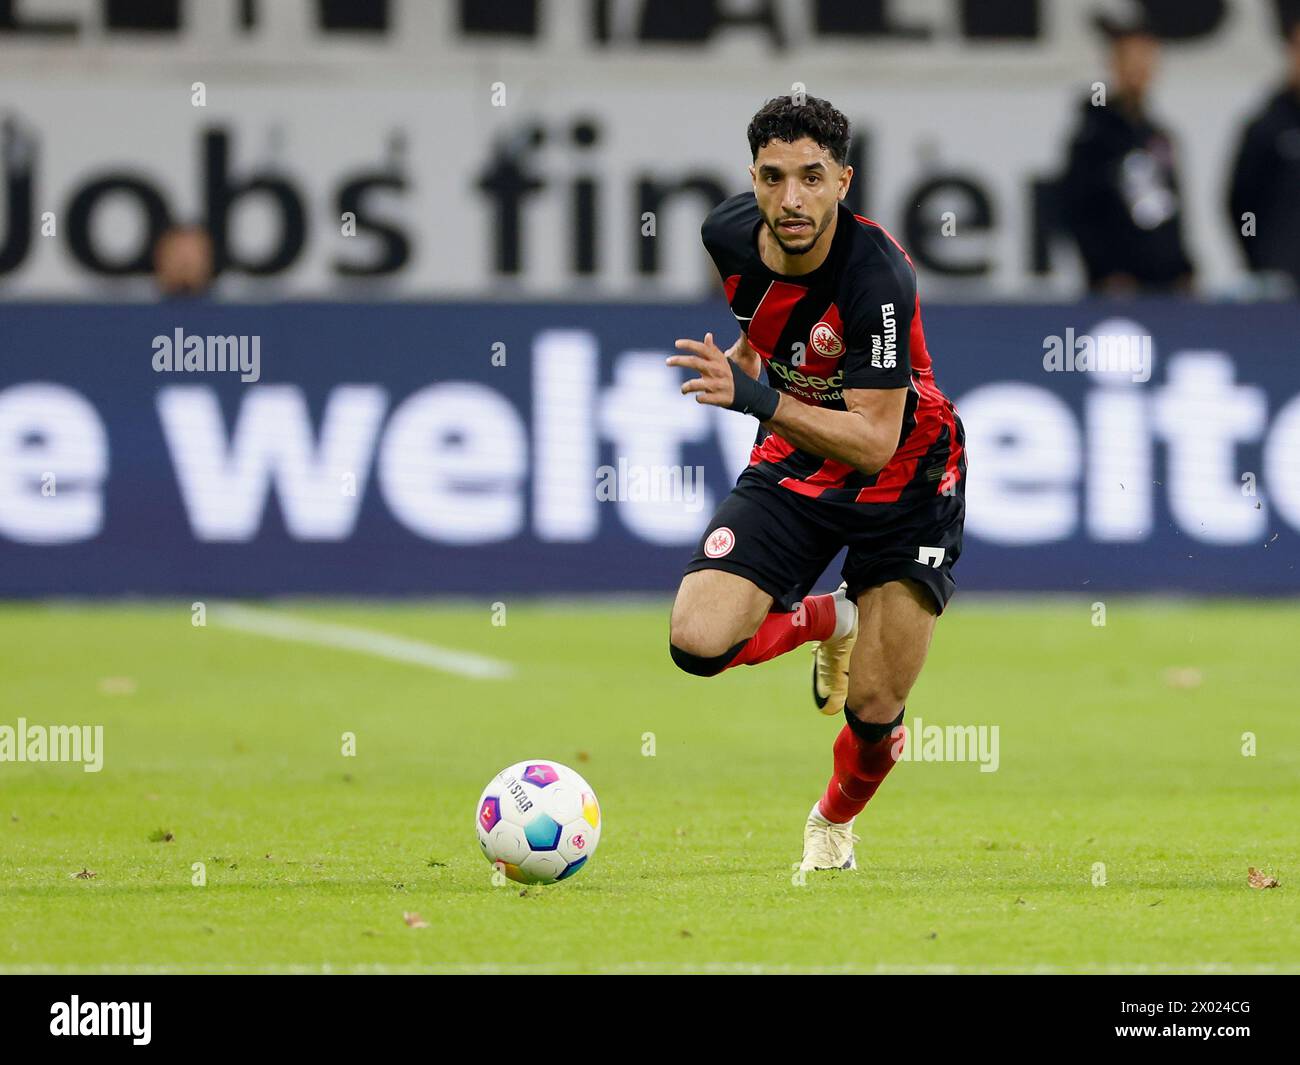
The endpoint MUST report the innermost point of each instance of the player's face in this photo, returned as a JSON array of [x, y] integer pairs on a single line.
[[1135, 59], [798, 187]]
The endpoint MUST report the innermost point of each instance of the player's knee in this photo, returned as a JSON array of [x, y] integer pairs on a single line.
[[689, 658], [873, 703], [690, 633]]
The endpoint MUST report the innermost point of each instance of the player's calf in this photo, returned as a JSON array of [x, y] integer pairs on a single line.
[[865, 752]]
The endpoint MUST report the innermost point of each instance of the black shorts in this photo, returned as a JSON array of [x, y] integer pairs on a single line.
[[783, 541]]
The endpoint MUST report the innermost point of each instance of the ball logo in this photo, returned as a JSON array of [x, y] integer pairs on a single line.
[[579, 843], [825, 342], [720, 542]]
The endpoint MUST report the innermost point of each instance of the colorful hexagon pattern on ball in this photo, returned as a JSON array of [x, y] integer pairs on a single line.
[[540, 774], [543, 833], [489, 813], [538, 822]]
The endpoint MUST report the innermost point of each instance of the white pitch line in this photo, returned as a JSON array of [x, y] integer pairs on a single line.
[[363, 641]]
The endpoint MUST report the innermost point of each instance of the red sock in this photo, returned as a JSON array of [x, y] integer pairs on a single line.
[[859, 768], [780, 633]]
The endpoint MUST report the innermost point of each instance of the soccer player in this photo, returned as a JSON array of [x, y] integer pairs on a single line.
[[856, 448]]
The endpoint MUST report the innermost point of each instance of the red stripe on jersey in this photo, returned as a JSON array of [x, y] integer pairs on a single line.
[[771, 315], [773, 449], [730, 285], [802, 488], [830, 474], [900, 469], [917, 352]]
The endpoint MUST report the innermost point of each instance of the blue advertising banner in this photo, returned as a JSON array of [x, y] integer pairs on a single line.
[[490, 449]]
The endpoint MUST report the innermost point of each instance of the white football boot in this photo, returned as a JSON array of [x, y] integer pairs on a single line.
[[827, 845], [830, 678]]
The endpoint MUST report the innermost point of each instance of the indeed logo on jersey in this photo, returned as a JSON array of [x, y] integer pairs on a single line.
[[884, 349], [810, 385]]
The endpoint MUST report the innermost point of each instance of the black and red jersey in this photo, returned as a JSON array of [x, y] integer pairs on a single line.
[[854, 322]]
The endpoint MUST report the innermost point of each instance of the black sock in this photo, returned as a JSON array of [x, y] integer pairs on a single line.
[[700, 666], [869, 730]]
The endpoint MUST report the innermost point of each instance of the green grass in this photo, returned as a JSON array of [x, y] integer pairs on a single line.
[[231, 742]]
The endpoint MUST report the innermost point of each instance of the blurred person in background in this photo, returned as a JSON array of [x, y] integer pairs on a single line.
[[183, 261], [1120, 193], [1264, 200]]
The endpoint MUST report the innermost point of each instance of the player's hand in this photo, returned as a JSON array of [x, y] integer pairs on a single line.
[[723, 382], [715, 385]]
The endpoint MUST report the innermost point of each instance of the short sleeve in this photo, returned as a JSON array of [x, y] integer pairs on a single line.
[[877, 327]]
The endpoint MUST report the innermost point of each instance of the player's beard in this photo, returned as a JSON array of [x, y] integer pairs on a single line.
[[799, 249]]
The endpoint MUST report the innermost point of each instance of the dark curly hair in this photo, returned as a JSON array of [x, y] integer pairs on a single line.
[[784, 119]]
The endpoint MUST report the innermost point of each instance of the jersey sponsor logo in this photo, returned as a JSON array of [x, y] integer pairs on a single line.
[[719, 542], [884, 348], [825, 342], [799, 383]]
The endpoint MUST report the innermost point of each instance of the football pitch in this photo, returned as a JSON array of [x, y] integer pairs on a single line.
[[231, 829]]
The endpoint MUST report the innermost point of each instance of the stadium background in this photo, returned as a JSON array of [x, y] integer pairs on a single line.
[[389, 111], [436, 394]]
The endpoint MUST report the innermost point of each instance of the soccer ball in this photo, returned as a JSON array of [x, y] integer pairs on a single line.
[[538, 821]]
